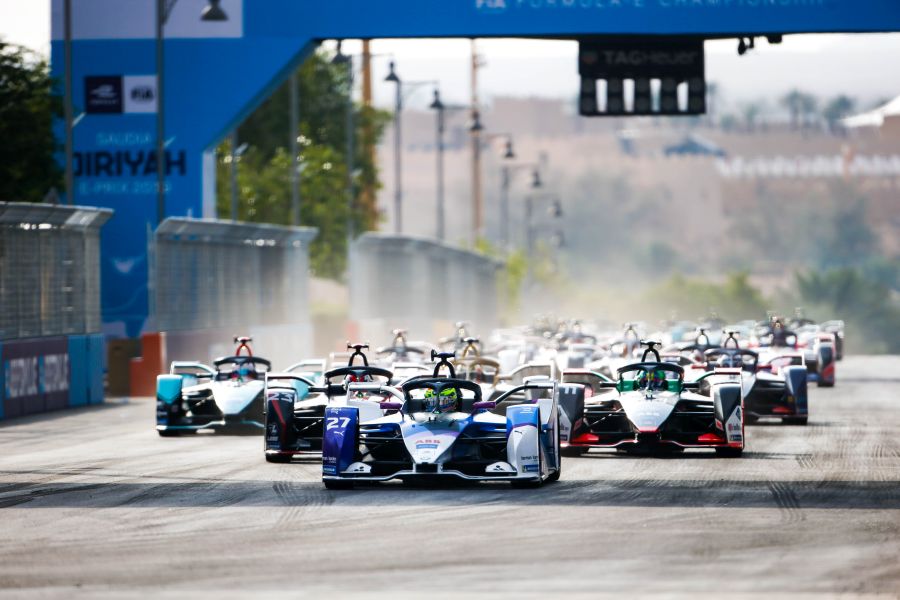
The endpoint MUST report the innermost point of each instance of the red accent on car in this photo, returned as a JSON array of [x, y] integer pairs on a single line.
[[828, 373], [280, 415], [585, 438], [782, 410], [710, 438]]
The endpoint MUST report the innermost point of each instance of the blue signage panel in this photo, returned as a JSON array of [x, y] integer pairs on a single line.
[[217, 72]]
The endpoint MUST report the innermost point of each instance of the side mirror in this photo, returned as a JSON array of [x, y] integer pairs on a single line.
[[391, 405], [484, 405]]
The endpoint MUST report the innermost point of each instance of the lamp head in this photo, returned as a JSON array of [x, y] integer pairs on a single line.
[[213, 12]]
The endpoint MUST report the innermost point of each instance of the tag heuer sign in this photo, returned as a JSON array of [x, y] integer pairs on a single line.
[[642, 76], [103, 94]]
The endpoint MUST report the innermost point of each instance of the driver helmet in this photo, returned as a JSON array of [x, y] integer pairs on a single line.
[[444, 402], [654, 380], [352, 378], [246, 371]]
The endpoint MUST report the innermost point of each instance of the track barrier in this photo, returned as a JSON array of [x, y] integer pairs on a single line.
[[51, 351], [420, 285]]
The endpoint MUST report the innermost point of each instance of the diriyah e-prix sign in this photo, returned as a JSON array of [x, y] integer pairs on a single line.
[[116, 102]]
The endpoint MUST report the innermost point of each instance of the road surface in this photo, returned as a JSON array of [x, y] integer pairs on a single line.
[[94, 503]]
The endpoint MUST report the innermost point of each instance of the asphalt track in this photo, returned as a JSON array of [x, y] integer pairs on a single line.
[[94, 503]]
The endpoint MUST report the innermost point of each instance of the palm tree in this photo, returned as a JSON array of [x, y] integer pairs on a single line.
[[836, 109], [793, 101]]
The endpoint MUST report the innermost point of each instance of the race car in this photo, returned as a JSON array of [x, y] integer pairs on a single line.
[[650, 408], [195, 396], [439, 427], [820, 354], [818, 348], [295, 405], [773, 384]]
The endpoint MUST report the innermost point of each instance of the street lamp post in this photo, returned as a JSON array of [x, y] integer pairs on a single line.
[[507, 171], [295, 151], [402, 91], [212, 12], [70, 179], [440, 109], [398, 149], [438, 106], [555, 211], [345, 59]]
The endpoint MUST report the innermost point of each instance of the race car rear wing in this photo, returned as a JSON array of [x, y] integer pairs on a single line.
[[186, 367], [287, 380]]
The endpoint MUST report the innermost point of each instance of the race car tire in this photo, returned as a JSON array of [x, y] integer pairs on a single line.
[[824, 384], [167, 433], [794, 420], [338, 484], [573, 451], [729, 452], [278, 458]]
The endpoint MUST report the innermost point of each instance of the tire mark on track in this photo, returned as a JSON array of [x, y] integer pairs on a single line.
[[806, 461], [299, 499], [49, 491], [787, 502]]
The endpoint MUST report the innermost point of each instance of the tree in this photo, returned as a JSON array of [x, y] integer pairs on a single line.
[[836, 109], [802, 108], [750, 112], [866, 305], [28, 106], [793, 101], [848, 240], [264, 169]]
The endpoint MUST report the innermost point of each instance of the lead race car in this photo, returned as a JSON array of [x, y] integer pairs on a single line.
[[195, 396], [650, 408], [439, 427]]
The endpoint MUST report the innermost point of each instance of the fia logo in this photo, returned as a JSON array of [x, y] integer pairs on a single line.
[[493, 6], [142, 93]]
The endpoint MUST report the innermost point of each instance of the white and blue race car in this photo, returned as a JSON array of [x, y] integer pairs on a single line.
[[420, 436], [229, 394]]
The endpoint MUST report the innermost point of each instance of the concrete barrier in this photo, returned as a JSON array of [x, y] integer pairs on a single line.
[[420, 285]]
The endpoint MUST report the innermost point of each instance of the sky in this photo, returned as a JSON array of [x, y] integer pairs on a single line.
[[824, 64]]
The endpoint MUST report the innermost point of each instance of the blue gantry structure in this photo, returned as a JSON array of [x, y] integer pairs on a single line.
[[217, 72]]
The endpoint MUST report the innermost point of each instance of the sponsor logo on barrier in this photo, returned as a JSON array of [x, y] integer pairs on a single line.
[[22, 377], [54, 373]]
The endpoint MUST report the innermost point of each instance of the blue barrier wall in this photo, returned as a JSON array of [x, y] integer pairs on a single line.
[[45, 374]]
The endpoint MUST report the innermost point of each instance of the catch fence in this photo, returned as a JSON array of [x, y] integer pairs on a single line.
[[49, 269], [210, 274], [214, 279]]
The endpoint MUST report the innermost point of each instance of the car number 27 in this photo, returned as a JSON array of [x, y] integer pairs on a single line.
[[337, 422]]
